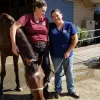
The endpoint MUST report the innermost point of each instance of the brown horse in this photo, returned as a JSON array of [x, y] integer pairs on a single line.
[[5, 49], [33, 71]]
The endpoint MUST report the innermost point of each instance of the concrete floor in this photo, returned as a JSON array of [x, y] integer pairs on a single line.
[[84, 71]]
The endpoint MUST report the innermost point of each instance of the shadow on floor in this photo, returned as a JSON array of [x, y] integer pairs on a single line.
[[15, 97]]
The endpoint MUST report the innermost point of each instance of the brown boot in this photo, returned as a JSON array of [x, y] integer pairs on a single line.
[[75, 95]]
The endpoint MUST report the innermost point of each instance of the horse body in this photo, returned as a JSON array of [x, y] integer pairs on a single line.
[[5, 49], [33, 71]]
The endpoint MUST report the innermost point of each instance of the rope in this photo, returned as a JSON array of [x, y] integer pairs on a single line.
[[53, 73]]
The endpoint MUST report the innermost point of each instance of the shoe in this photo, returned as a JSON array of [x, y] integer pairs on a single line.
[[75, 95], [31, 96], [56, 96], [48, 95]]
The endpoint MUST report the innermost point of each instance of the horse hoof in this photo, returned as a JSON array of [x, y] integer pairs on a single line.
[[19, 89]]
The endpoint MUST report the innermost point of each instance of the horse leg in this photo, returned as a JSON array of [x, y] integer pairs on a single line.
[[3, 71], [16, 70]]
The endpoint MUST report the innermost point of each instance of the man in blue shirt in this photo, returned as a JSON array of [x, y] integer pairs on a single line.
[[63, 38]]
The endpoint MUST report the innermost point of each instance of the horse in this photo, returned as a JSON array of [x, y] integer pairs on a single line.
[[34, 74], [5, 49]]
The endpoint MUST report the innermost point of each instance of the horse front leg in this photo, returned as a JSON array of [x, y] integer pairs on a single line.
[[16, 70], [3, 71]]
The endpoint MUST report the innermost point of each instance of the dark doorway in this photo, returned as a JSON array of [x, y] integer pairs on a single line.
[[16, 8], [97, 26]]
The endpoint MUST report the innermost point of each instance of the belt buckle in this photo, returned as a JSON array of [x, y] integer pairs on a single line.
[[40, 42]]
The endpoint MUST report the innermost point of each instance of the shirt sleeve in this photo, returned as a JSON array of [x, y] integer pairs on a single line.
[[73, 29], [24, 19], [47, 24]]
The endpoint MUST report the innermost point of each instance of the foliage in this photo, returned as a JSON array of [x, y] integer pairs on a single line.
[[82, 35]]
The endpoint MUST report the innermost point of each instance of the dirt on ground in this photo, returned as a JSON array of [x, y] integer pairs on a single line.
[[87, 82]]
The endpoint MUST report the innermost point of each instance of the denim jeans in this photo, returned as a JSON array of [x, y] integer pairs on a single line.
[[67, 65]]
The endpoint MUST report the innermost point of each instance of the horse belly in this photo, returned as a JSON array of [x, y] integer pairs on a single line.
[[7, 51]]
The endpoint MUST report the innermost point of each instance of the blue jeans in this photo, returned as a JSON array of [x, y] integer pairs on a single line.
[[68, 71]]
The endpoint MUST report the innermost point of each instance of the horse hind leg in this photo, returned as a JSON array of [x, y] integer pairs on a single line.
[[16, 70], [3, 71]]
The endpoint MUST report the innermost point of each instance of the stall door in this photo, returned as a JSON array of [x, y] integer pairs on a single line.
[[65, 6]]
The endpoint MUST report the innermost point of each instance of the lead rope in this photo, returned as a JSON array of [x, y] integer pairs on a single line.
[[53, 73]]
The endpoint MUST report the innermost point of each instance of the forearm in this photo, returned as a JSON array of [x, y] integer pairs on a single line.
[[13, 34], [13, 30], [73, 44]]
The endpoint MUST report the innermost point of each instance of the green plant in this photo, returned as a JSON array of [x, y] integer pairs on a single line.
[[82, 35]]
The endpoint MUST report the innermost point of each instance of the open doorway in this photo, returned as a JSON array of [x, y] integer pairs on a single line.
[[97, 25]]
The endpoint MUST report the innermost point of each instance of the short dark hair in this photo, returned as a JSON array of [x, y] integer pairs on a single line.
[[39, 4], [55, 10]]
